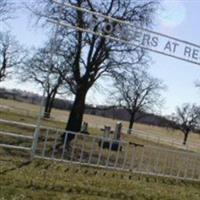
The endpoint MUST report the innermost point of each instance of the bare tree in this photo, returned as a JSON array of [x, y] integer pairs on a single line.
[[42, 69], [138, 92], [11, 54], [95, 56], [6, 8], [187, 119]]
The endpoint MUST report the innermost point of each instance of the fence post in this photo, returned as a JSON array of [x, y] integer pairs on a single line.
[[82, 148], [172, 164], [109, 151], [141, 160], [132, 157], [186, 166], [125, 156], [117, 156], [55, 143], [149, 160], [100, 152], [198, 178], [157, 162], [196, 170], [35, 142], [179, 168], [91, 151], [73, 147], [45, 143], [165, 165], [64, 146]]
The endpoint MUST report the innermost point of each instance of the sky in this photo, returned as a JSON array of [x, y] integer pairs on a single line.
[[177, 18]]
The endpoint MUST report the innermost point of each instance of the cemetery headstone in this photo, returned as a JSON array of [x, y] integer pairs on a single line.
[[107, 131], [84, 128], [118, 129]]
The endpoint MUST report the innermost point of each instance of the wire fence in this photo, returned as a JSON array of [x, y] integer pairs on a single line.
[[171, 141], [158, 138]]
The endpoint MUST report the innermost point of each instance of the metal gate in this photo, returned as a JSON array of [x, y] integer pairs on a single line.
[[104, 152], [15, 141]]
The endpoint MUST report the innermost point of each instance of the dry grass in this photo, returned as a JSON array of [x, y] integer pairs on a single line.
[[23, 120], [96, 121], [21, 179], [150, 154]]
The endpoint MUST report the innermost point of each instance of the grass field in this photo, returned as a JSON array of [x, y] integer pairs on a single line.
[[61, 117], [22, 118], [22, 179], [44, 180], [150, 152]]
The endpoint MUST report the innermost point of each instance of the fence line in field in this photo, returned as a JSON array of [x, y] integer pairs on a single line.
[[15, 135], [143, 135], [110, 154], [9, 135], [28, 125], [138, 133], [118, 155], [153, 137], [164, 140]]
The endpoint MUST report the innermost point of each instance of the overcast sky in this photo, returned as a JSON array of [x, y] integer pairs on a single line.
[[178, 18]]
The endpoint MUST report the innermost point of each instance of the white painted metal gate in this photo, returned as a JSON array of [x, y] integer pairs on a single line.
[[117, 155]]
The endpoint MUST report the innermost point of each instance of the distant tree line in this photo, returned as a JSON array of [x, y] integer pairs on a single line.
[[113, 112]]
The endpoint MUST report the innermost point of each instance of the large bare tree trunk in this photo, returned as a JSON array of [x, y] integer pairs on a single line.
[[76, 114], [49, 104], [46, 109], [185, 138], [131, 122]]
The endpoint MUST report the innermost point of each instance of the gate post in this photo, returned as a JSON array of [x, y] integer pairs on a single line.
[[35, 141]]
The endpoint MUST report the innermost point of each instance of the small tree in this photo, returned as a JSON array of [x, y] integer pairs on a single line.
[[11, 55], [44, 70], [187, 119], [138, 92]]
